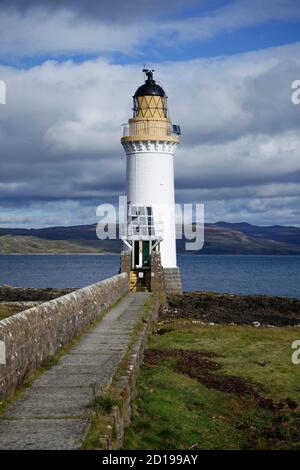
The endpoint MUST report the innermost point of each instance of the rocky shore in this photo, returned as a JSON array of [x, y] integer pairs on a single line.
[[211, 307], [208, 307], [31, 294]]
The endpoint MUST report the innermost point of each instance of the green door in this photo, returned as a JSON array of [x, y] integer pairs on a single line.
[[146, 254]]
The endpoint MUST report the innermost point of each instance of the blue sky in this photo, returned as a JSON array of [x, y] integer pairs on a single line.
[[273, 24], [71, 67]]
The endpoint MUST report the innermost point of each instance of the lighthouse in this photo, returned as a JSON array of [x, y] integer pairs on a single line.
[[150, 140]]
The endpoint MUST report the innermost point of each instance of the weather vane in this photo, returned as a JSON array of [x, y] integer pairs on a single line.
[[148, 72]]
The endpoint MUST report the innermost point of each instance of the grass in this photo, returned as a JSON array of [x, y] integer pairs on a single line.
[[28, 244], [103, 404], [101, 421], [176, 411], [7, 310]]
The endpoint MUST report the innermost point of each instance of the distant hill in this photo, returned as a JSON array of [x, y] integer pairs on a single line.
[[279, 233], [30, 245], [82, 237], [220, 238]]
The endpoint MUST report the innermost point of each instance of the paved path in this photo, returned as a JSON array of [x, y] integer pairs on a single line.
[[52, 413]]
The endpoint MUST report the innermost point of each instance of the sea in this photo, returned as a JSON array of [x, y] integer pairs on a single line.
[[266, 275]]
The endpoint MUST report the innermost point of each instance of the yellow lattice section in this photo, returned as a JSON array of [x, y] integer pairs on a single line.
[[150, 121], [151, 107], [149, 127]]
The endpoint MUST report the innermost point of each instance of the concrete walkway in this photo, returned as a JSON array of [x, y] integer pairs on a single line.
[[53, 413]]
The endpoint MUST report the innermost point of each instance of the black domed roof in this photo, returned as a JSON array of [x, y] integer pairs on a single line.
[[150, 87]]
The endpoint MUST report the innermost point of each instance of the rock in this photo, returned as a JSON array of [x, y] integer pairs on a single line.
[[291, 404], [261, 363], [193, 446], [30, 294], [238, 309], [256, 324]]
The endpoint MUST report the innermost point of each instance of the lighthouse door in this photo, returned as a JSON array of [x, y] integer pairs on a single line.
[[146, 254]]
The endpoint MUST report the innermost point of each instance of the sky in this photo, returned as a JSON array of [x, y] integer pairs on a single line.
[[71, 68]]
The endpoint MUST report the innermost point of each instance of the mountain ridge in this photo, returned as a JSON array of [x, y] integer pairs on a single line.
[[220, 238]]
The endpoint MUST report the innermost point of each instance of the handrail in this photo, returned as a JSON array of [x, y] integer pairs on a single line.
[[148, 128]]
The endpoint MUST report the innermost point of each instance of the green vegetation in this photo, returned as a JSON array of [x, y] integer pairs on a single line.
[[217, 387], [220, 238], [224, 240], [100, 424], [103, 404], [33, 245], [7, 310]]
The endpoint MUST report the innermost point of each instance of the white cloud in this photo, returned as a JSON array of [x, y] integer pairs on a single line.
[[250, 159], [235, 15], [240, 147], [68, 28], [61, 32]]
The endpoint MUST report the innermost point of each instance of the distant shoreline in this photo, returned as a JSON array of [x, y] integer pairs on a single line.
[[178, 254], [201, 305], [221, 238], [58, 254], [239, 274]]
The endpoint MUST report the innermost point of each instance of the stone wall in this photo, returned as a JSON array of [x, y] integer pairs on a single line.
[[125, 262], [39, 332], [172, 278], [157, 273]]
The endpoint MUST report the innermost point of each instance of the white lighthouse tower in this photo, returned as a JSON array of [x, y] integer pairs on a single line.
[[150, 141]]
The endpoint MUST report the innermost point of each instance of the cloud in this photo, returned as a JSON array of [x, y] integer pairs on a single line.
[[235, 163], [109, 10], [245, 93], [240, 148], [235, 15], [37, 33], [29, 28], [52, 213]]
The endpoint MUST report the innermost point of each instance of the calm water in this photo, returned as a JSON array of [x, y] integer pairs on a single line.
[[271, 275]]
